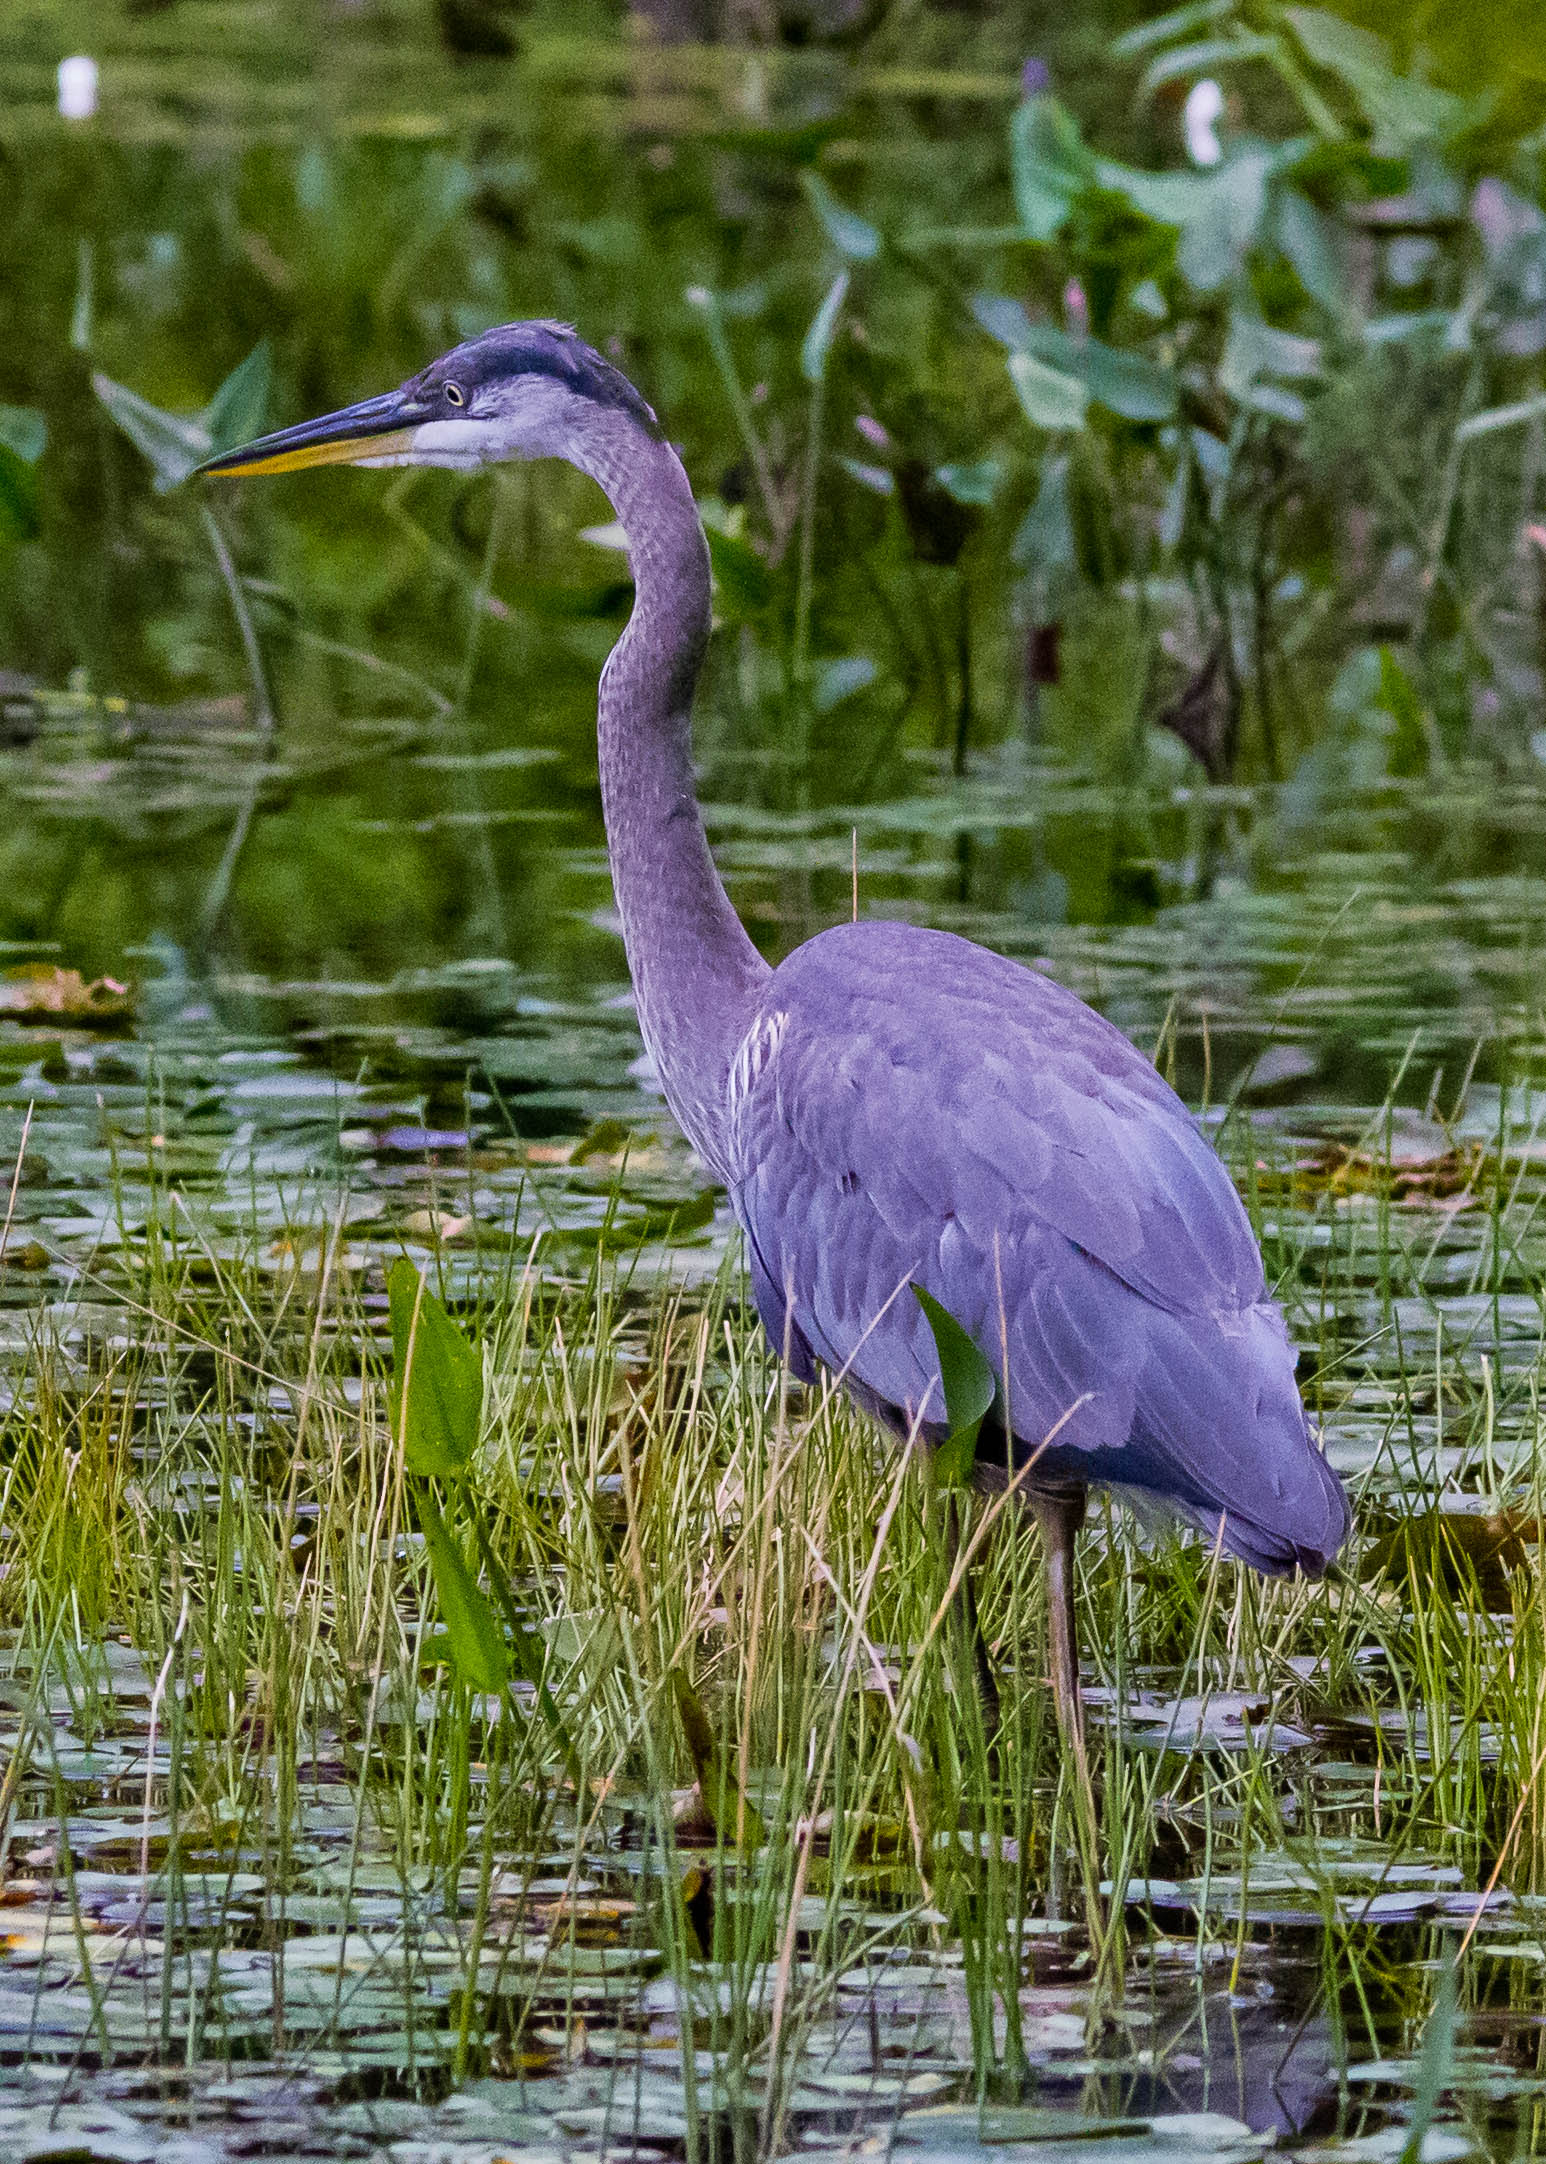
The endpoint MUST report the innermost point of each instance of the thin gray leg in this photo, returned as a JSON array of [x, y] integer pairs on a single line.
[[1060, 1515]]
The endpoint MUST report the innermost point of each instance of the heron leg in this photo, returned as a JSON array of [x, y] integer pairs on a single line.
[[1059, 1514]]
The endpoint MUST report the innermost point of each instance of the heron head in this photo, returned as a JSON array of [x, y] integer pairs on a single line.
[[524, 390]]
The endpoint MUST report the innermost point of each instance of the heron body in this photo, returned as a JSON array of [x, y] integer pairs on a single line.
[[892, 1106]]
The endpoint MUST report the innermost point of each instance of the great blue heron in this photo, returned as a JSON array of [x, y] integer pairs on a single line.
[[891, 1107]]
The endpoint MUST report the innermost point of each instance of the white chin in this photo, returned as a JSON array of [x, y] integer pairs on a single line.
[[448, 443]]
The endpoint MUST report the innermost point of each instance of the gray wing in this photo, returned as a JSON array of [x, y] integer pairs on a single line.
[[909, 1107]]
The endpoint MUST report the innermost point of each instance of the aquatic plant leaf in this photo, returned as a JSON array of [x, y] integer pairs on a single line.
[[24, 430], [818, 339], [174, 443], [1051, 399], [849, 234], [1435, 2061], [1128, 384], [1049, 165], [836, 681], [18, 497], [735, 1818], [974, 482], [437, 1379], [743, 583], [239, 409], [1179, 22], [1207, 53], [1401, 110], [968, 1385], [477, 1641]]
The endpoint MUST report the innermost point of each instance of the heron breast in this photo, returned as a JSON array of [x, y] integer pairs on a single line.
[[754, 1055]]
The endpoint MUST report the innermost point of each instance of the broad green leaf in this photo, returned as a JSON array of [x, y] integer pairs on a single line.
[[1167, 198], [736, 1819], [174, 443], [25, 431], [1433, 2067], [1045, 541], [1255, 353], [1312, 243], [836, 681], [974, 482], [968, 1386], [849, 234], [1402, 111], [1203, 57], [1051, 399], [1128, 384], [1049, 165], [1226, 223], [437, 1379], [1180, 22], [239, 409], [18, 497], [818, 339], [478, 1649], [743, 582]]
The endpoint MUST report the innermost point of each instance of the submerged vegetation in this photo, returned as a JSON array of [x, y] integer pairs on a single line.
[[565, 1743]]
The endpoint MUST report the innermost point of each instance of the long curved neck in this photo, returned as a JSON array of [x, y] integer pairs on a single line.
[[696, 974]]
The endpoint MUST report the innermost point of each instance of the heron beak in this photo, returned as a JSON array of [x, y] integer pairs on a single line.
[[377, 429]]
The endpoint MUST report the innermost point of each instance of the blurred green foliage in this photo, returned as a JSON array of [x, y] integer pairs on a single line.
[[1004, 418]]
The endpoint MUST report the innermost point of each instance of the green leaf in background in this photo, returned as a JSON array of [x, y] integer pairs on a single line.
[[818, 339], [23, 430], [849, 234], [437, 1379], [743, 583], [974, 482], [239, 409], [1312, 242], [1402, 110], [477, 1640], [1258, 359], [969, 1389], [1435, 2062], [18, 497], [735, 1818], [1125, 383], [1190, 61], [1051, 399], [1049, 165], [174, 443], [1182, 22]]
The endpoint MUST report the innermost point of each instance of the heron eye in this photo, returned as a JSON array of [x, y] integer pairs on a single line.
[[455, 395]]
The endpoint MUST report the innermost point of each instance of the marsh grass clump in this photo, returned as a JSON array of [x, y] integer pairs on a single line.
[[251, 1778]]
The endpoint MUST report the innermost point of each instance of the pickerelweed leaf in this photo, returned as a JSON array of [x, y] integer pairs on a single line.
[[18, 497], [24, 430], [239, 409], [850, 234], [969, 1388], [477, 1640], [437, 1379], [818, 339], [174, 443], [1051, 400], [1049, 165]]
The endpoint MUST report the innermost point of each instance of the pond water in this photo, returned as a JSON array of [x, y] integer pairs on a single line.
[[364, 992]]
